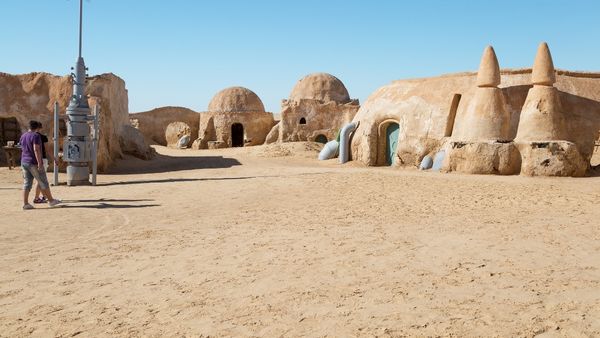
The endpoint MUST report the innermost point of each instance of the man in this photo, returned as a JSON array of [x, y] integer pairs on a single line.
[[45, 154], [33, 166]]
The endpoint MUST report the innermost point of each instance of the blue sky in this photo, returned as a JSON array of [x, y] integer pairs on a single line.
[[181, 52]]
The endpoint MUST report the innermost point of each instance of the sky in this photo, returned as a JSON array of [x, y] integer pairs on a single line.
[[182, 52]]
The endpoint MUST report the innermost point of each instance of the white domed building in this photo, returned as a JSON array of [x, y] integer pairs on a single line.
[[236, 117], [318, 107]]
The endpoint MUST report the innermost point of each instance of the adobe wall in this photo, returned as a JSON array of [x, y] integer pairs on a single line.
[[216, 127], [31, 97], [422, 108], [153, 123], [322, 118]]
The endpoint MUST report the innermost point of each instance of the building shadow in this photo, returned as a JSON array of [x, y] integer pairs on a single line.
[[104, 200], [594, 171], [174, 180], [163, 163], [109, 206]]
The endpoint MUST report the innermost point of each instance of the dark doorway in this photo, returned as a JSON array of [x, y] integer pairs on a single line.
[[237, 135], [303, 121], [452, 115], [321, 139], [9, 130]]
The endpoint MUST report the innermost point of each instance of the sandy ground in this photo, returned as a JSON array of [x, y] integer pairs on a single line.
[[250, 242]]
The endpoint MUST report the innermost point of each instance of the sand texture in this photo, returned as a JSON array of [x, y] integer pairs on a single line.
[[270, 242]]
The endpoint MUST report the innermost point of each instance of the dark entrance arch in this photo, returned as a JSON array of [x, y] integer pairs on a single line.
[[303, 120], [9, 130], [321, 138], [237, 135]]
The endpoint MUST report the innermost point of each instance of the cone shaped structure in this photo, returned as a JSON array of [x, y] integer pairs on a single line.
[[542, 116], [486, 118], [543, 68], [489, 69]]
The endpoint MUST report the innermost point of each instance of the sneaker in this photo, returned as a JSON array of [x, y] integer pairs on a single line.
[[54, 203], [40, 200], [28, 207]]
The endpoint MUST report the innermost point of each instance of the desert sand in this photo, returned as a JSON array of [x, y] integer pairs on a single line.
[[267, 241]]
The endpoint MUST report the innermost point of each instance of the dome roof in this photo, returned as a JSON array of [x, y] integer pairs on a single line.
[[236, 99], [320, 86]]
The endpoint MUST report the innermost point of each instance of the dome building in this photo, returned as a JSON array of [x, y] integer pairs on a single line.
[[236, 117], [318, 107], [533, 122]]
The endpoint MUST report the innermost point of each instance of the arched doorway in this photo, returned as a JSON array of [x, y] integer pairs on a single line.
[[237, 135], [321, 138], [302, 120], [452, 115], [391, 144]]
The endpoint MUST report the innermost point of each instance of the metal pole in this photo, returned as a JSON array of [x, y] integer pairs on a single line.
[[55, 170], [95, 145], [78, 142], [80, 24]]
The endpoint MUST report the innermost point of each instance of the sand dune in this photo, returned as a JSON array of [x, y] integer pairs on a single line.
[[270, 242]]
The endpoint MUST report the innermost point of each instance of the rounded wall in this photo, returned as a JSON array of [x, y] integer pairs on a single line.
[[319, 119], [236, 99], [216, 126], [420, 121], [428, 118], [153, 124], [175, 131], [321, 87]]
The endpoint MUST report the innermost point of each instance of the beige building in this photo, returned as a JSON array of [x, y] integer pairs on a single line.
[[318, 107], [236, 117], [529, 121], [153, 124], [32, 96]]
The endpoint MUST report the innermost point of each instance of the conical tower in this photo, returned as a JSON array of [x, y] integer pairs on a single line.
[[486, 118], [489, 69], [543, 73], [542, 116]]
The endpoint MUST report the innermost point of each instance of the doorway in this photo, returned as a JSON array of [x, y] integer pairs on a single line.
[[9, 130], [237, 135], [321, 139], [452, 115], [391, 144]]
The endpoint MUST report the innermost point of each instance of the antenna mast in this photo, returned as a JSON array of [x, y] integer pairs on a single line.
[[80, 24], [80, 147]]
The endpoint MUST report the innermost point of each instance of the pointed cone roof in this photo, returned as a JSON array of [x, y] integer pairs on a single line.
[[489, 70], [543, 67]]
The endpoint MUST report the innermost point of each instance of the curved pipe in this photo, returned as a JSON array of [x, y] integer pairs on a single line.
[[329, 150], [345, 141]]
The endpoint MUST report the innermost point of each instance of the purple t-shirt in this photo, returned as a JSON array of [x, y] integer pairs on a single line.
[[27, 141]]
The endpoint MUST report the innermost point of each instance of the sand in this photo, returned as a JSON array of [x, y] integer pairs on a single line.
[[270, 242]]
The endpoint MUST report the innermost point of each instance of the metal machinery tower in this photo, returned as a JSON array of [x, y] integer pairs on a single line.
[[80, 147]]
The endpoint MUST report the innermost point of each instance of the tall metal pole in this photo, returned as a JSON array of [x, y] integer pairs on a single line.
[[80, 24], [95, 144], [55, 164], [77, 147]]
